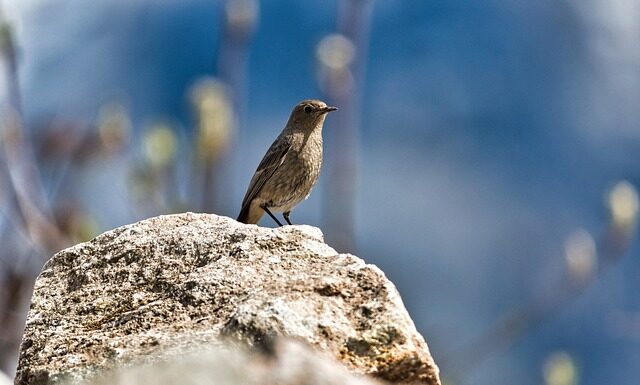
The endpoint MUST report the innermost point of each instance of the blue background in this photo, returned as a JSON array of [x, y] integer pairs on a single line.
[[491, 130]]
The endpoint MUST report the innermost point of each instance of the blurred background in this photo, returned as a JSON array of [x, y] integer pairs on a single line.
[[485, 154]]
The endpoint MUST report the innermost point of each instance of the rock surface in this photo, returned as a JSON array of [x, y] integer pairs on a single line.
[[287, 363], [157, 288]]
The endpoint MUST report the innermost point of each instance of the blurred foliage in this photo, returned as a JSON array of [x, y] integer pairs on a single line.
[[214, 114], [560, 369], [241, 16], [159, 145], [581, 255], [114, 127], [623, 206], [335, 54]]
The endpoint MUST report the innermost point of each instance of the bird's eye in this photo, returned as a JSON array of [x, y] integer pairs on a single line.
[[308, 109]]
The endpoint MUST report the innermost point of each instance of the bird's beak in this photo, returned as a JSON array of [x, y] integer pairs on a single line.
[[328, 109]]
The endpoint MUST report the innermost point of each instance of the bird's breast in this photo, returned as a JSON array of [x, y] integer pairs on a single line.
[[295, 178]]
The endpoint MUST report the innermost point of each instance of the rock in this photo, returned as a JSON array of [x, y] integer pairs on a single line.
[[288, 363], [158, 288]]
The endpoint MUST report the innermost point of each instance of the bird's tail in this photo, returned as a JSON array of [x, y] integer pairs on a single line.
[[250, 213]]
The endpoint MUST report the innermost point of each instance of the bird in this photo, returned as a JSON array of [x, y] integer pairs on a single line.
[[290, 167]]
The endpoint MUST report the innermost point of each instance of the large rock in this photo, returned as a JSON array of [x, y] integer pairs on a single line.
[[158, 288]]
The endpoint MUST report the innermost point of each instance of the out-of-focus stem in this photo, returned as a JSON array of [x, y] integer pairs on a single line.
[[18, 153], [344, 90], [240, 20]]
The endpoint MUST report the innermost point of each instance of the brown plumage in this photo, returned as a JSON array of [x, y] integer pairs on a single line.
[[290, 167]]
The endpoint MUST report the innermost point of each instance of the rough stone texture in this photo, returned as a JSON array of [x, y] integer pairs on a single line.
[[288, 363], [154, 289]]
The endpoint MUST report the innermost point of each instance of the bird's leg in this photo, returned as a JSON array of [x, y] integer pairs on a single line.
[[264, 207], [286, 217]]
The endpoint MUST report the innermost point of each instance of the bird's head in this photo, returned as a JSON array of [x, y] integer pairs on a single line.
[[309, 114]]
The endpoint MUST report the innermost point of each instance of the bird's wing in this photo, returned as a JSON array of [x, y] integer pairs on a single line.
[[269, 164]]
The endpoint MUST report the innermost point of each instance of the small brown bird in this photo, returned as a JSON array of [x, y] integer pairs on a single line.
[[290, 167]]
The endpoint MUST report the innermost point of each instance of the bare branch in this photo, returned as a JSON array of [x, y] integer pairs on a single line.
[[18, 154]]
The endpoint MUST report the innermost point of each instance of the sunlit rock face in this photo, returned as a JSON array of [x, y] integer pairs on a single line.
[[160, 288]]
